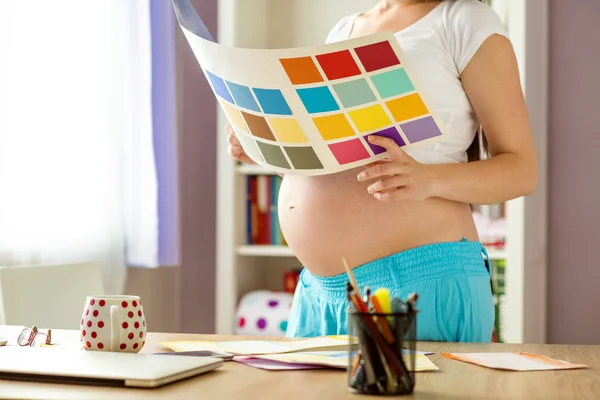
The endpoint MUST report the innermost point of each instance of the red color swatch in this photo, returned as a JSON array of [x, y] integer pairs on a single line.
[[338, 65], [349, 151], [377, 56]]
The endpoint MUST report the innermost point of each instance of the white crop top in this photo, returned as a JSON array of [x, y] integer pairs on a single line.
[[439, 46]]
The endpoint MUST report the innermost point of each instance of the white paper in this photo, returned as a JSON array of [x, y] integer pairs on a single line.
[[255, 347], [513, 361]]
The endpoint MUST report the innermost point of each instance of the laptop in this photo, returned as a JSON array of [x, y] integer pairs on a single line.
[[100, 368]]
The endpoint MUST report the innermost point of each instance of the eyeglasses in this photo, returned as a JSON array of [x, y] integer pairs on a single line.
[[33, 337]]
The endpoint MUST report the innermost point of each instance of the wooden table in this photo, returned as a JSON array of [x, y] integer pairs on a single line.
[[455, 380]]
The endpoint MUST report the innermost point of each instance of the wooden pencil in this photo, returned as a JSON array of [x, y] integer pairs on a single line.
[[351, 276]]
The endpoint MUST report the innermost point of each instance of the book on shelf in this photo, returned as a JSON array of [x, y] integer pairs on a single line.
[[262, 222]]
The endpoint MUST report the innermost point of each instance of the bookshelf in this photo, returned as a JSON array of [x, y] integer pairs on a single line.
[[242, 267]]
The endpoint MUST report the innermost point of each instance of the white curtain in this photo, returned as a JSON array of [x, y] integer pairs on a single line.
[[77, 173]]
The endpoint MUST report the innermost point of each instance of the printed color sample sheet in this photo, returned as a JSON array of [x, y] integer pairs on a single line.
[[310, 110]]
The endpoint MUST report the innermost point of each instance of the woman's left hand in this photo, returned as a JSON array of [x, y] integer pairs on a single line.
[[400, 176]]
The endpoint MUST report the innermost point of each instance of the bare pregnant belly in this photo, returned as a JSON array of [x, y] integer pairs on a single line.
[[325, 218]]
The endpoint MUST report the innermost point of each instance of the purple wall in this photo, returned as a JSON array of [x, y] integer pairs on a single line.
[[574, 163], [164, 121], [197, 182]]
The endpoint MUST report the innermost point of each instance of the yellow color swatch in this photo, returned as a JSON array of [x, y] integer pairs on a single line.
[[334, 126], [370, 118], [407, 107], [234, 116], [287, 130]]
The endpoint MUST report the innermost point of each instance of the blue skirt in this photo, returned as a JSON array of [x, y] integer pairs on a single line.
[[452, 280]]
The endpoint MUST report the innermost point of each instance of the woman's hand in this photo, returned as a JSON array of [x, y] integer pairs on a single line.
[[235, 149], [400, 177]]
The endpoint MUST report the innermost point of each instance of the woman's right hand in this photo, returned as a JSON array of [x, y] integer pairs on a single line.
[[235, 149]]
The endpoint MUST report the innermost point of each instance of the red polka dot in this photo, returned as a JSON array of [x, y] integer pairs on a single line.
[[139, 313], [130, 314], [94, 335], [102, 303], [100, 324], [92, 302], [83, 332], [125, 325], [95, 313], [87, 312], [123, 346], [130, 336], [134, 303], [136, 325], [100, 345], [124, 304], [135, 345], [141, 335], [88, 344], [89, 324], [242, 322]]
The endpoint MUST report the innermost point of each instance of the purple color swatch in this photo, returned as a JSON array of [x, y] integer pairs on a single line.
[[273, 303], [391, 133], [421, 129]]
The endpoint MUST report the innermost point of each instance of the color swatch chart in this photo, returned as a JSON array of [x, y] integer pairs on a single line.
[[310, 110], [351, 94]]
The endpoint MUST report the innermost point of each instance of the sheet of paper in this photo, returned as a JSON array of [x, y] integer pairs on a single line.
[[513, 361], [339, 359], [310, 110], [254, 347], [271, 365]]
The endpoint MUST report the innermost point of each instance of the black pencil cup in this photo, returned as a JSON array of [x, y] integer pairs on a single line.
[[383, 360]]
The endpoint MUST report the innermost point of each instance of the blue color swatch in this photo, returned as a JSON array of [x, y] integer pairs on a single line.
[[272, 101], [219, 86], [318, 99], [243, 96]]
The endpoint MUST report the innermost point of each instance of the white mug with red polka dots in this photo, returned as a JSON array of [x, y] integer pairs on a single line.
[[113, 323]]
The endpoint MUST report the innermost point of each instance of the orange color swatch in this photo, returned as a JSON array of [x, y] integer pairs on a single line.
[[301, 70]]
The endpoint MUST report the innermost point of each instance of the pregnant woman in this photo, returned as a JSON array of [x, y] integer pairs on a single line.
[[405, 223]]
